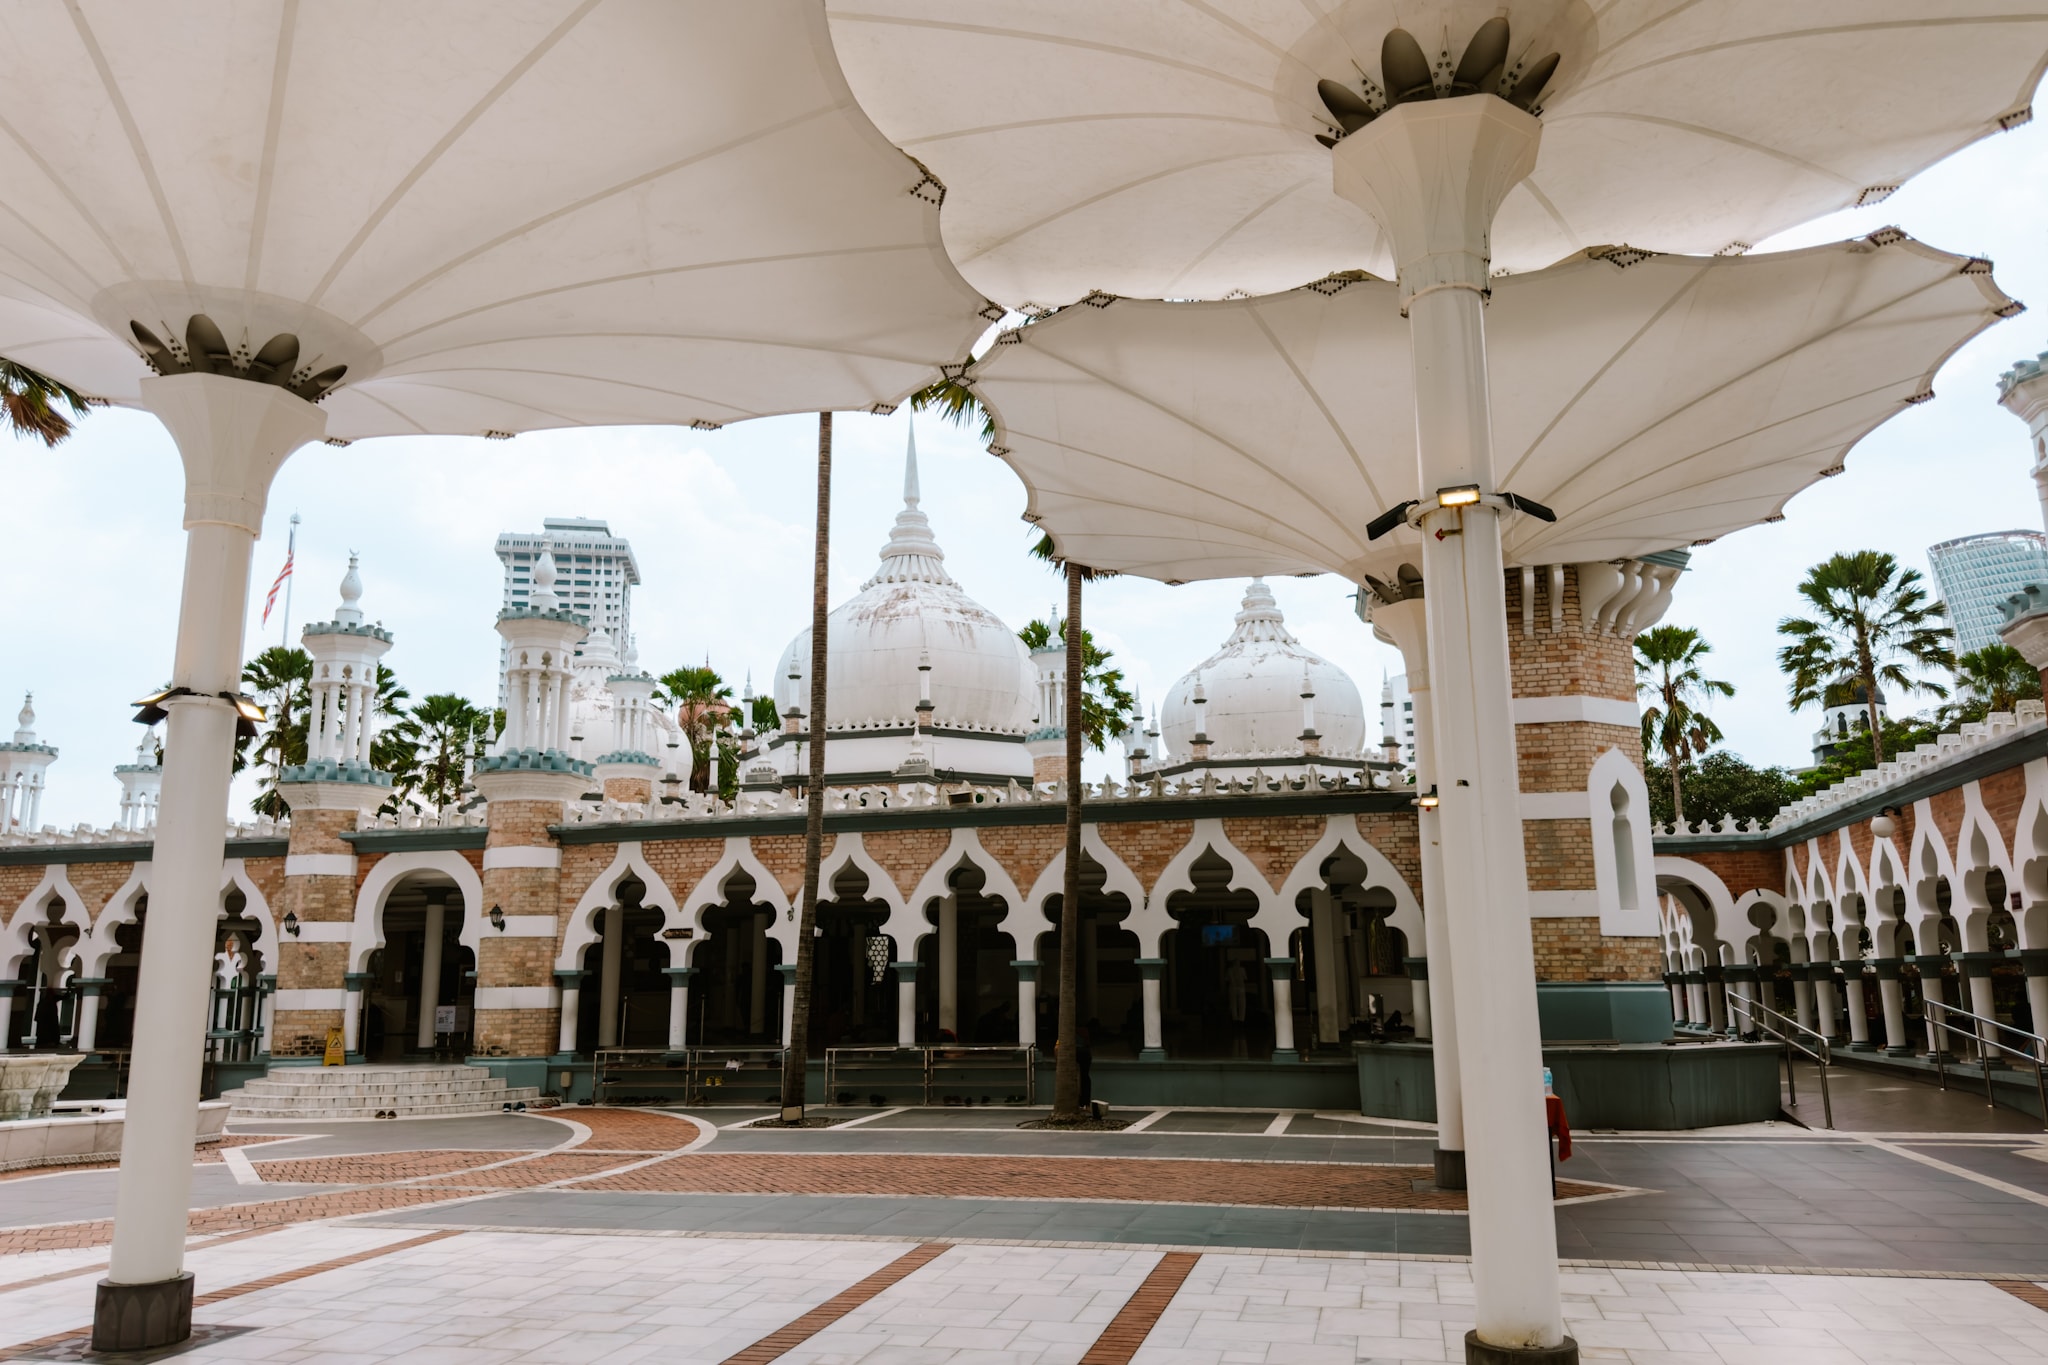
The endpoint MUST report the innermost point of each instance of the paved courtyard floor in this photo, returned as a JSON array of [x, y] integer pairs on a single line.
[[949, 1236]]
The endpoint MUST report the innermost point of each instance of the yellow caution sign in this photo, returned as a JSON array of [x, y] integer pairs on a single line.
[[335, 1055]]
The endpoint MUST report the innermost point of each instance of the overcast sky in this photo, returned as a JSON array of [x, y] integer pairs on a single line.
[[721, 522]]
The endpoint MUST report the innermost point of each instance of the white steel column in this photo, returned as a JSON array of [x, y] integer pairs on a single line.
[[1282, 969], [1405, 624], [232, 436], [1891, 999], [1434, 173], [1802, 995], [906, 1004], [608, 976], [1027, 1002], [679, 1007], [572, 996], [430, 964], [1824, 1001]]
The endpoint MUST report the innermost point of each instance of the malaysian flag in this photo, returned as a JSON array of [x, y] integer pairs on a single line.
[[282, 574]]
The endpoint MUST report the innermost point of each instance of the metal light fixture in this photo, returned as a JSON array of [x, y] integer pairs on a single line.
[[497, 918], [1458, 495], [291, 923], [1429, 800], [1885, 823], [247, 711]]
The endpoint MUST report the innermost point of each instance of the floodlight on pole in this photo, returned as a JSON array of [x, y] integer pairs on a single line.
[[1462, 495]]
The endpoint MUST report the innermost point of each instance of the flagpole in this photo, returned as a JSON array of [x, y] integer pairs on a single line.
[[291, 548]]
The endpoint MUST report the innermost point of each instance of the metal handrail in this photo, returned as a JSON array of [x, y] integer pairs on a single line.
[[928, 1058], [2035, 1055], [1822, 1053]]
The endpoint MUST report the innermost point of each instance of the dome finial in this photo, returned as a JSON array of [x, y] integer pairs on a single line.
[[27, 720], [911, 554], [348, 613]]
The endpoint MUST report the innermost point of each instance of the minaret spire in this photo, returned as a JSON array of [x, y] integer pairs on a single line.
[[910, 490]]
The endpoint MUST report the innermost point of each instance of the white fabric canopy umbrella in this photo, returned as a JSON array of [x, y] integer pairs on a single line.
[[1168, 150], [1650, 401], [499, 217], [459, 217]]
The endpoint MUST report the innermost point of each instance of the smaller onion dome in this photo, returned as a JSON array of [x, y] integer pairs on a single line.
[[1253, 693]]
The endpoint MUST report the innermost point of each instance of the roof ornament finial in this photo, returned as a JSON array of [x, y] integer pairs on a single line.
[[543, 598], [27, 720], [912, 554], [348, 613]]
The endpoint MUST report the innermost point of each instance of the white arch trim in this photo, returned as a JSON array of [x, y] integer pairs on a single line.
[[55, 882], [581, 931], [738, 856], [964, 848], [1118, 880], [367, 932], [1720, 902], [1615, 768], [1341, 831]]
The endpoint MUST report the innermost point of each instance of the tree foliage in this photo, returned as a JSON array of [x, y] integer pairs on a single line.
[[30, 400], [441, 738], [1994, 678], [703, 708], [1670, 674], [1871, 619], [1720, 784], [281, 679]]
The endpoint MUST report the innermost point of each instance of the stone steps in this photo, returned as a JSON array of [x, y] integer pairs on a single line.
[[361, 1092]]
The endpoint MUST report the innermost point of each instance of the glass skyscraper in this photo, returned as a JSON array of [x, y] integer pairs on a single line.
[[1977, 573]]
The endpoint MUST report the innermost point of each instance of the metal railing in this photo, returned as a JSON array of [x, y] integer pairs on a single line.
[[934, 1065], [1790, 1031], [2034, 1049]]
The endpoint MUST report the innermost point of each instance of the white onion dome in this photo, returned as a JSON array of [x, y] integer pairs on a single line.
[[981, 673], [1254, 685]]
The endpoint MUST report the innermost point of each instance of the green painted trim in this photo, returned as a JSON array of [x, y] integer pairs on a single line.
[[37, 855], [416, 840]]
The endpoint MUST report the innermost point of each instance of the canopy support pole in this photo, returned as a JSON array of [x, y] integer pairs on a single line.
[[232, 435], [1434, 173]]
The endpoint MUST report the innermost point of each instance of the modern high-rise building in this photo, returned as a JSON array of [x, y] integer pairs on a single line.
[[1977, 573], [1397, 716], [595, 574]]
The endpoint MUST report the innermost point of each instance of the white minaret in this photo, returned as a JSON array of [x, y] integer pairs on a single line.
[[24, 768], [341, 723], [2023, 391], [541, 639], [141, 784], [629, 769]]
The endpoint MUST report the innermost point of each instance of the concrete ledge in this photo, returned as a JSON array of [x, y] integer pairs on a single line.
[[83, 1132], [1644, 1086]]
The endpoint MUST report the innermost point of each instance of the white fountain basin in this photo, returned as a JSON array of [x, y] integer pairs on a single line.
[[85, 1131], [29, 1081]]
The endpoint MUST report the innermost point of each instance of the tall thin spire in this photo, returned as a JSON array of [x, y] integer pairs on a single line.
[[910, 491]]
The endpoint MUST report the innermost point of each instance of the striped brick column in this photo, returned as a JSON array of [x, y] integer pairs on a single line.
[[317, 919], [518, 1008], [1571, 632]]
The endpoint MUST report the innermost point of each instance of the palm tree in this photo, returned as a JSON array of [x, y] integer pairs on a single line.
[[447, 732], [1668, 662], [283, 678], [1105, 705], [30, 398], [1998, 677], [703, 706], [796, 1061], [1869, 614]]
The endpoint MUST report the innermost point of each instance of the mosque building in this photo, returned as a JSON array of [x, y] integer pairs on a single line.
[[1252, 922]]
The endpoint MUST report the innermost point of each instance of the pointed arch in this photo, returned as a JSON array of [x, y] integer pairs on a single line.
[[1624, 864], [2030, 856], [119, 910], [1931, 862], [962, 849], [235, 876], [1118, 880], [581, 930], [1765, 912], [367, 930], [55, 883], [1341, 832], [1714, 903], [739, 856], [847, 850], [1208, 836], [1980, 850]]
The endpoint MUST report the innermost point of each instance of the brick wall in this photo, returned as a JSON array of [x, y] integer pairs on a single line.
[[1572, 948], [1147, 847], [503, 960]]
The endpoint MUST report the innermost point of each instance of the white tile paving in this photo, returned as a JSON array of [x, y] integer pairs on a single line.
[[487, 1297]]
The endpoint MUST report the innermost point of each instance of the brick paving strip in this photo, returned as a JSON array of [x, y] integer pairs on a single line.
[[28, 1349], [784, 1339], [1135, 1320], [1298, 1185], [2026, 1291]]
